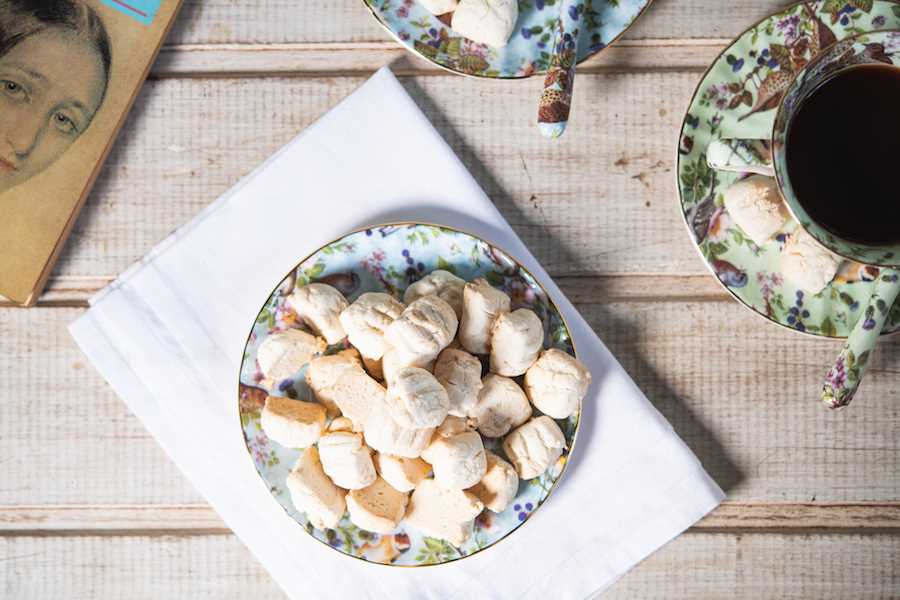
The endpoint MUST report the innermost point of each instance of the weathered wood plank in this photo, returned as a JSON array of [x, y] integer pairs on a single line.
[[73, 519], [742, 394], [284, 21], [74, 291], [767, 566], [694, 566], [599, 201], [330, 59]]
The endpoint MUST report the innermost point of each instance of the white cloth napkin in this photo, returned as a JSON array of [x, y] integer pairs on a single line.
[[168, 336]]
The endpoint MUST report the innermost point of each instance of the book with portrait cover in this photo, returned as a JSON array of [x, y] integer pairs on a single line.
[[69, 73]]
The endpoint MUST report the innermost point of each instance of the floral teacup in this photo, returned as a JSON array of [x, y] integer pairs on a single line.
[[769, 157]]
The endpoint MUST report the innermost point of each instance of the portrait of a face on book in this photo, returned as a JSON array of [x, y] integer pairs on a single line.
[[69, 71]]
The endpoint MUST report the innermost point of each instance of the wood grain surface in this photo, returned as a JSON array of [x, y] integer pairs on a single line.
[[90, 506]]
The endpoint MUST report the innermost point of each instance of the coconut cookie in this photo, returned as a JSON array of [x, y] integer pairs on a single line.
[[807, 263], [346, 460], [516, 340], [458, 461], [556, 383], [460, 374], [756, 206], [320, 305], [447, 514], [292, 423], [499, 486], [501, 406], [383, 434], [488, 22], [426, 327], [314, 493], [403, 474], [443, 284], [378, 508], [366, 320], [481, 305], [416, 400], [534, 446], [340, 382], [283, 353]]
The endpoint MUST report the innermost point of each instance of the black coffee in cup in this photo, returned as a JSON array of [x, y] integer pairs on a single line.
[[843, 154]]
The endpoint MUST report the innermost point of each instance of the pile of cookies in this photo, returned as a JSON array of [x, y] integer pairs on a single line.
[[398, 426]]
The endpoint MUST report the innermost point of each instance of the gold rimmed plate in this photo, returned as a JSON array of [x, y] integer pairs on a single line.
[[388, 258]]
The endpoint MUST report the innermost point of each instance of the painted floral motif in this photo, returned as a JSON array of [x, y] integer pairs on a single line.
[[842, 379], [389, 258], [737, 97], [529, 49]]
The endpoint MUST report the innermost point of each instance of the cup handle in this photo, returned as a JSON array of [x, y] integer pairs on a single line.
[[741, 156]]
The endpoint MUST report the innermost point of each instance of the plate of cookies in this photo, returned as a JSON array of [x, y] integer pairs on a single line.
[[410, 394]]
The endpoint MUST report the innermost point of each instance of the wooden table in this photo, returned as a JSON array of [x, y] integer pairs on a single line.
[[90, 506]]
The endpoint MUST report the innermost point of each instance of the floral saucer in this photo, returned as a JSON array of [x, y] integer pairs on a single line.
[[389, 258], [528, 50], [736, 98]]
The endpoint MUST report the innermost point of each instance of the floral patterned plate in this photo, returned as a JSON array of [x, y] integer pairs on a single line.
[[389, 258], [737, 98], [528, 50]]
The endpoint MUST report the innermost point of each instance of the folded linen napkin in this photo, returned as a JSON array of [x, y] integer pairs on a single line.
[[168, 336]]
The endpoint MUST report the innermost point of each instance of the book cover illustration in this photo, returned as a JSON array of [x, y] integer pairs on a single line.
[[69, 72]]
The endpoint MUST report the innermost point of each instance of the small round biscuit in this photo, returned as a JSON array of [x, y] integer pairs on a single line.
[[501, 406], [391, 363], [292, 423], [443, 284], [384, 435], [458, 461], [499, 486], [535, 446], [366, 320], [489, 22], [460, 374], [402, 474], [283, 353], [418, 335], [346, 460], [516, 340], [443, 513], [756, 206], [481, 305], [378, 508], [416, 399], [808, 264], [320, 305], [313, 493], [557, 383]]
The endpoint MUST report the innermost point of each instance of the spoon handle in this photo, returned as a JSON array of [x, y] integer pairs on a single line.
[[556, 95], [843, 379]]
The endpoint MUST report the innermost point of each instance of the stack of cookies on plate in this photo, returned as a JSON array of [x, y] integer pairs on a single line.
[[397, 427]]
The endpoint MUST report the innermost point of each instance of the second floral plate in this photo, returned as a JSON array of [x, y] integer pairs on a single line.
[[528, 50], [736, 98]]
